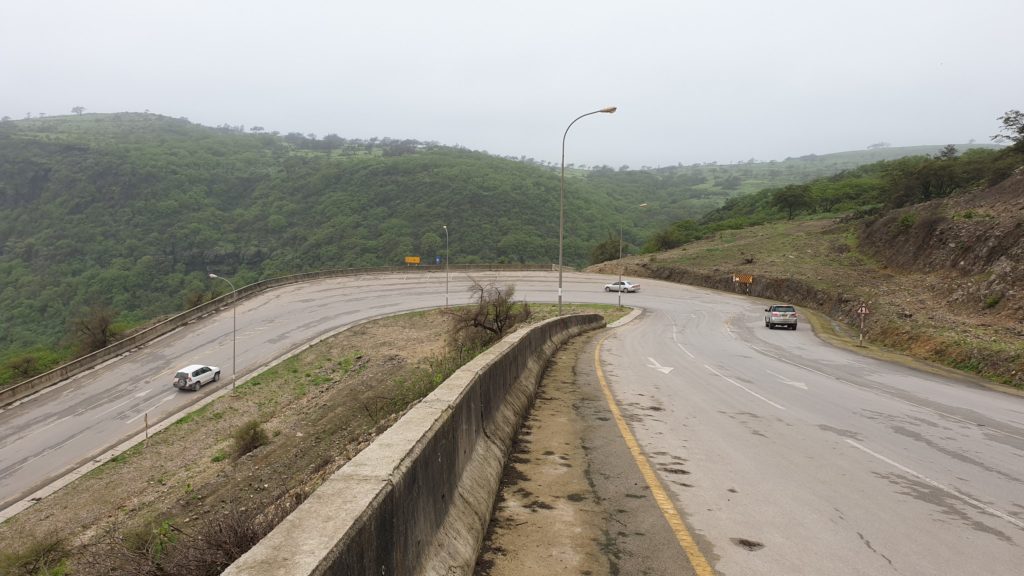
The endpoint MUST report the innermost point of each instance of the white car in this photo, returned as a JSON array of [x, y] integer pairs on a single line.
[[621, 286], [780, 315], [193, 377]]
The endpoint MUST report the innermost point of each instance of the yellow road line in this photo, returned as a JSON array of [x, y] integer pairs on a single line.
[[700, 564]]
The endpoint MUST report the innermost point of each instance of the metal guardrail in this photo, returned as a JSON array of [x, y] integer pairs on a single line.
[[90, 361]]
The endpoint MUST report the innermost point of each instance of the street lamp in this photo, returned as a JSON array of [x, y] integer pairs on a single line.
[[234, 308], [644, 205], [561, 200], [445, 266]]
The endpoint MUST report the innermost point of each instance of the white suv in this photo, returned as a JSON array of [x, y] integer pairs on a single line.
[[194, 376], [780, 315]]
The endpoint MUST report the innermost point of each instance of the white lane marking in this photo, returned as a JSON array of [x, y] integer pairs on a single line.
[[731, 381], [49, 425], [53, 448], [659, 367], [144, 411], [785, 380], [891, 395], [676, 340], [809, 369], [143, 393], [115, 407], [942, 487]]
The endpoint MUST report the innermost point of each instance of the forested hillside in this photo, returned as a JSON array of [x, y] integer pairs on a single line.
[[865, 190], [126, 214]]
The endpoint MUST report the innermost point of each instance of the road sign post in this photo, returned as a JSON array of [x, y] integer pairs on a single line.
[[863, 311], [745, 280]]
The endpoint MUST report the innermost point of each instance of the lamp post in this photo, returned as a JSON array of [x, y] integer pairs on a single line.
[[644, 205], [445, 266], [234, 308], [561, 200]]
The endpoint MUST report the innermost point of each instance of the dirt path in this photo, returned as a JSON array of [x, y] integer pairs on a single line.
[[572, 500], [547, 520]]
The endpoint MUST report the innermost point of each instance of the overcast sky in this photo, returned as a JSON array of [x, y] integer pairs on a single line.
[[694, 80]]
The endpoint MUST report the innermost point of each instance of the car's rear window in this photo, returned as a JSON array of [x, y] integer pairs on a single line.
[[784, 309], [181, 376]]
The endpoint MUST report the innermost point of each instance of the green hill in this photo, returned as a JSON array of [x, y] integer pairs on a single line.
[[130, 212]]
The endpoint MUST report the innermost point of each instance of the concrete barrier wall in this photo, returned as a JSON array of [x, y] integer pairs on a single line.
[[418, 499], [88, 362]]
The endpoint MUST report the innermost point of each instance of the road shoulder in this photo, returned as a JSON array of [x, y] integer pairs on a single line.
[[572, 500]]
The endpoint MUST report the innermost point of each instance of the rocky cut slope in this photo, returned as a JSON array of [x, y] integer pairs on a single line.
[[973, 242]]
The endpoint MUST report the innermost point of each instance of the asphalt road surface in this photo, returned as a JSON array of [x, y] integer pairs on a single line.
[[51, 433], [793, 457], [788, 456]]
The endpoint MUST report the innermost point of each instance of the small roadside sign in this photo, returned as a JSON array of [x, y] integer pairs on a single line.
[[744, 280], [862, 311], [412, 259]]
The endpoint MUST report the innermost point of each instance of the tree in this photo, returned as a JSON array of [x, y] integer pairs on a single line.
[[78, 110], [94, 329], [1013, 128], [948, 153], [431, 245], [792, 199], [731, 182], [493, 314], [606, 250]]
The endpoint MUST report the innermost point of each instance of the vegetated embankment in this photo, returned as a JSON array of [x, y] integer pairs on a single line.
[[943, 279]]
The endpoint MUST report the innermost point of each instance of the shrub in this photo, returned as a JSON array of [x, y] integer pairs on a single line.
[[164, 548], [41, 556], [907, 222], [494, 314], [250, 437], [94, 328], [24, 366]]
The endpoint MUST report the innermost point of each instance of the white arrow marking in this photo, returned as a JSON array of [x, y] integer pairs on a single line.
[[654, 364], [785, 380]]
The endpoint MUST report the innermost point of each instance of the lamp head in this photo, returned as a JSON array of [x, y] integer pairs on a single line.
[[609, 110], [212, 275]]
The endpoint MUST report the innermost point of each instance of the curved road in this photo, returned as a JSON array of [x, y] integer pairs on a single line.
[[790, 456], [46, 435]]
